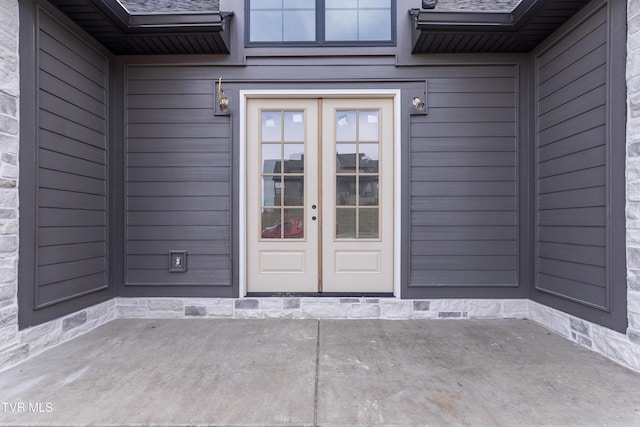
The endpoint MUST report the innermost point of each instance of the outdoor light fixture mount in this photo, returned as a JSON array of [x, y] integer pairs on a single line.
[[419, 103], [221, 106]]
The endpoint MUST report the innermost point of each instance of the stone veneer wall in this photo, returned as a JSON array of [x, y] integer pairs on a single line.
[[9, 143]]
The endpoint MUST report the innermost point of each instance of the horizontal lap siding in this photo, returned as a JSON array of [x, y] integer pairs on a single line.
[[178, 187], [71, 200], [571, 146], [463, 183]]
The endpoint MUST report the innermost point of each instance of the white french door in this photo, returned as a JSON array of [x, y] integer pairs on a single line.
[[319, 188]]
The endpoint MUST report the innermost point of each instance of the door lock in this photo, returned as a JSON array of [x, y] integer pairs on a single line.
[[313, 206], [313, 218]]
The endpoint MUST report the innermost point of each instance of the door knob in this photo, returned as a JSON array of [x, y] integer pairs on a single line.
[[313, 206]]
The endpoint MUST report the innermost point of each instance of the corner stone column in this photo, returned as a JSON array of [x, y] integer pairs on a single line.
[[633, 169], [9, 143]]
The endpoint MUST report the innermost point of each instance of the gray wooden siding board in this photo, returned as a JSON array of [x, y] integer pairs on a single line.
[[593, 60], [213, 144], [580, 105], [158, 278], [181, 232], [478, 218], [573, 290], [591, 274], [572, 235], [463, 262], [464, 248], [71, 200], [586, 197], [54, 66], [592, 255], [586, 159], [77, 287], [65, 90], [458, 174], [183, 159], [56, 273], [461, 144], [72, 59], [52, 217], [72, 147], [177, 189], [195, 262], [567, 128], [71, 112], [56, 236], [69, 128], [580, 217], [463, 159], [73, 252], [214, 203], [550, 99], [452, 233], [581, 141], [463, 203], [464, 188], [471, 115], [70, 182], [475, 100], [584, 178], [470, 278], [169, 115], [177, 174], [169, 218], [162, 247]]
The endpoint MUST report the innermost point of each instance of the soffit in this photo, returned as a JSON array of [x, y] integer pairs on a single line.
[[491, 27]]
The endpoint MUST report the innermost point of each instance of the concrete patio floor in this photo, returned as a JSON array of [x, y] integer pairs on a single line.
[[328, 372]]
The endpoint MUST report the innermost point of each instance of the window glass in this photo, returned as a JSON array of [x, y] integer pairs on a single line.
[[296, 21]]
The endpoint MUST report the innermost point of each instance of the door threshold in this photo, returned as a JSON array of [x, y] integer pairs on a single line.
[[320, 294]]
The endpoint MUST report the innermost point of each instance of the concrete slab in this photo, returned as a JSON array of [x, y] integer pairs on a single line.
[[329, 372]]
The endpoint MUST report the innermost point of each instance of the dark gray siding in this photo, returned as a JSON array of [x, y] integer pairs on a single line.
[[463, 181], [575, 175], [66, 219], [178, 180]]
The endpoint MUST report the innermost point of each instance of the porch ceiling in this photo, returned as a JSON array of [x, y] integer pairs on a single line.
[[520, 30], [155, 32]]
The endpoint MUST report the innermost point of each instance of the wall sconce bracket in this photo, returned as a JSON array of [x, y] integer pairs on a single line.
[[419, 105]]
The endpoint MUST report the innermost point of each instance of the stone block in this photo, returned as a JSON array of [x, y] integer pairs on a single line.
[[165, 305], [584, 341], [550, 318], [195, 310], [633, 301], [271, 303], [616, 347], [451, 315], [421, 305], [634, 336], [283, 314], [12, 355], [450, 305], [349, 300], [8, 316], [291, 303], [515, 309], [74, 321], [8, 243], [395, 309], [248, 314], [247, 304], [485, 309], [131, 311], [364, 311], [37, 332], [220, 311], [580, 326], [8, 291], [325, 311]]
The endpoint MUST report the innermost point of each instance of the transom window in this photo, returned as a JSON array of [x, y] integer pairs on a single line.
[[321, 22]]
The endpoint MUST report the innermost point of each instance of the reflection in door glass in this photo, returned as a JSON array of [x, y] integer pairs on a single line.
[[271, 126], [357, 174], [283, 184]]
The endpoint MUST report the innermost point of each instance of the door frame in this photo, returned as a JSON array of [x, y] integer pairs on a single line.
[[244, 95]]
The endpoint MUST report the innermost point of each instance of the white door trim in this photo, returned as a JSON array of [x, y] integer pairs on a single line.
[[352, 93]]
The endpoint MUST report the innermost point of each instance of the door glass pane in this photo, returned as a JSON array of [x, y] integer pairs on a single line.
[[369, 162], [368, 121], [345, 125], [294, 126], [369, 191], [271, 224], [346, 158], [271, 126], [271, 155], [294, 191], [346, 223], [293, 158], [345, 191], [368, 224], [271, 191], [293, 224]]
